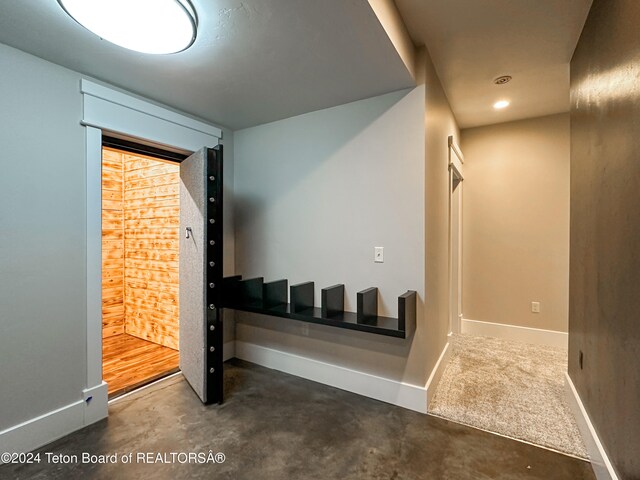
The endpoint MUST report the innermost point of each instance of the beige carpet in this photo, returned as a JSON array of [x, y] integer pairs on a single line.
[[514, 389]]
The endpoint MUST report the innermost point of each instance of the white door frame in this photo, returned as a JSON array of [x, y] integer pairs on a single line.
[[105, 109], [456, 160]]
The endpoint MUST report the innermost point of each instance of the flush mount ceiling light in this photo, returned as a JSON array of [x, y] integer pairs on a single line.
[[147, 26], [500, 104]]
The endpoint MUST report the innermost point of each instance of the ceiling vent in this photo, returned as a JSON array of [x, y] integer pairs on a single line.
[[502, 80]]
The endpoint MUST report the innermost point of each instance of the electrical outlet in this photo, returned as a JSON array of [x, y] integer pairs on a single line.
[[305, 329], [378, 254], [535, 307]]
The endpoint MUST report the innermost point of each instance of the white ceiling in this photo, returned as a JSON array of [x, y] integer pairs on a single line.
[[473, 41], [257, 61], [254, 61]]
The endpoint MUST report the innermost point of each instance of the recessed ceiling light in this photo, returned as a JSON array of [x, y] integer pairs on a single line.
[[500, 104], [147, 26]]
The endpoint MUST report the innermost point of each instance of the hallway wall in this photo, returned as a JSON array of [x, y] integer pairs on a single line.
[[605, 228], [516, 223]]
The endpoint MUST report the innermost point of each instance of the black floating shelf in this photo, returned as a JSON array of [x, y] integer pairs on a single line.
[[270, 298]]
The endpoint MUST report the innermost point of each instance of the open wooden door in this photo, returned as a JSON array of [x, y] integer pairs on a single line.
[[201, 272]]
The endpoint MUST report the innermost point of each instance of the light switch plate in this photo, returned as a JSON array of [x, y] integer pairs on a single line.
[[378, 254]]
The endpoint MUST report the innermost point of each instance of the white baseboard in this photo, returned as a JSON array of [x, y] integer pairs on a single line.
[[51, 426], [436, 374], [535, 336], [600, 463], [96, 403], [39, 431], [228, 350], [395, 392]]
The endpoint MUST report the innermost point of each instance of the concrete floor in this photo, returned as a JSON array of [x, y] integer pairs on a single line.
[[276, 426]]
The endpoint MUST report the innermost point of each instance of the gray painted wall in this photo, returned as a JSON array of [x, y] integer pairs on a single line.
[[42, 237], [604, 285], [314, 195]]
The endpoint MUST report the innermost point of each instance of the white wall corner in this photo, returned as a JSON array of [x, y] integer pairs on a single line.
[[600, 463], [228, 350], [436, 373], [412, 397], [96, 403], [516, 333], [93, 157]]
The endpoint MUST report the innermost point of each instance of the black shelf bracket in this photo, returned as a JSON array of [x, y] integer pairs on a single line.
[[332, 301], [274, 293], [367, 305], [302, 296], [270, 298]]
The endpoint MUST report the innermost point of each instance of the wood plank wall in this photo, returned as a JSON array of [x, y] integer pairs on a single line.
[[151, 238], [112, 243]]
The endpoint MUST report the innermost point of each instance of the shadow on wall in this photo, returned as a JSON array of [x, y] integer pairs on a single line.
[[315, 193], [249, 207]]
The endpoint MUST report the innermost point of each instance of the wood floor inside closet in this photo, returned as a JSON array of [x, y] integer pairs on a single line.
[[129, 362]]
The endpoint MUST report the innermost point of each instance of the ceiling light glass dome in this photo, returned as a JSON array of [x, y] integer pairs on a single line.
[[147, 26]]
